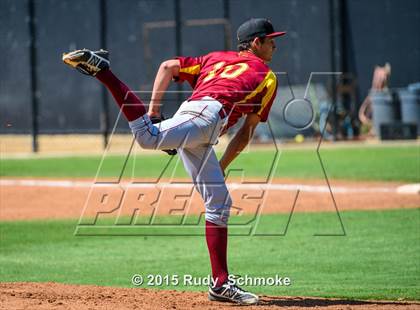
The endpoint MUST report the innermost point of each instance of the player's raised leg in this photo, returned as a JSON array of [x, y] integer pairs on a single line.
[[170, 134], [96, 63]]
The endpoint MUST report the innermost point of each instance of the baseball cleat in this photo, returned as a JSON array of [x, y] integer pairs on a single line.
[[86, 61], [233, 293]]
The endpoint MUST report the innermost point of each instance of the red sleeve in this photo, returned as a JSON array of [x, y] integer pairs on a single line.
[[190, 69]]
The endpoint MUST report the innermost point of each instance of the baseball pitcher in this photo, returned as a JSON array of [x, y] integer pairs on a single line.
[[227, 86]]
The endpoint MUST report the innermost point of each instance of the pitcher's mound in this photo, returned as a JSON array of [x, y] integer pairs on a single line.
[[28, 295]]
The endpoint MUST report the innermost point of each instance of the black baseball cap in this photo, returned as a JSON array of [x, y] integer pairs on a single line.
[[256, 27]]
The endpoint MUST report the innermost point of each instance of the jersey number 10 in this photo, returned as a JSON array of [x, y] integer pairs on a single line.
[[229, 72]]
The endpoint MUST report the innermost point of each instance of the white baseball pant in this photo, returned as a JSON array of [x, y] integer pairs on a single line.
[[193, 131]]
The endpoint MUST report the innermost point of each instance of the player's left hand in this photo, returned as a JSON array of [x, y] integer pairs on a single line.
[[157, 119]]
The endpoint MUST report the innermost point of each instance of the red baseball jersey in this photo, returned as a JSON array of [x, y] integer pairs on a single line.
[[241, 81]]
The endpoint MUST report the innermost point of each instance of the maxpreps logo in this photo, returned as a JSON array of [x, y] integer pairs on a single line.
[[168, 207], [165, 206]]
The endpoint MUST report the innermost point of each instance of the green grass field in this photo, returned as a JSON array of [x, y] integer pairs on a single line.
[[357, 163], [377, 259]]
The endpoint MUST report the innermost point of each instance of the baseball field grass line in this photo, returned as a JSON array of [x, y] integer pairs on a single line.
[[399, 163], [377, 259], [230, 185]]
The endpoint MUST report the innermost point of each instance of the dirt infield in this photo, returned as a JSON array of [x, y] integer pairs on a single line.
[[53, 202], [62, 296]]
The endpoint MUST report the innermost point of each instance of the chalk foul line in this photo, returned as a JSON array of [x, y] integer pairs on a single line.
[[405, 189]]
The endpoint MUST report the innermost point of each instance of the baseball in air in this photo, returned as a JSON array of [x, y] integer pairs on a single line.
[[299, 138]]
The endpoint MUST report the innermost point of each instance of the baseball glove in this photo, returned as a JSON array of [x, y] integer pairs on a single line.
[[155, 120]]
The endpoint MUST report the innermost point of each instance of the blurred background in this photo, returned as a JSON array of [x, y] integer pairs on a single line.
[[374, 44]]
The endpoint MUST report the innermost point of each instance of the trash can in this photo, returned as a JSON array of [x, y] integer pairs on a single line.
[[410, 105], [382, 108]]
